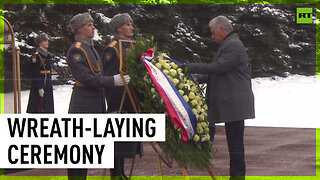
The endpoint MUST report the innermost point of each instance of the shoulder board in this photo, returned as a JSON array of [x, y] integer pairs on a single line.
[[36, 53], [113, 44], [78, 44]]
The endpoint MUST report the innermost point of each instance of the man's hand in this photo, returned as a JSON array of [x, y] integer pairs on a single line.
[[41, 92], [118, 81]]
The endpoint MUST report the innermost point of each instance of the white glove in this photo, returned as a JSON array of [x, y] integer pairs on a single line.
[[118, 80], [41, 92]]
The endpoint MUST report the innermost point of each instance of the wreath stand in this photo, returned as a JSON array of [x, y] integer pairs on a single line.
[[134, 102]]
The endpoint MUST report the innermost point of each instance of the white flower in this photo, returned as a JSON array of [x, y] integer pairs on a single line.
[[166, 72], [208, 137], [194, 103], [192, 95], [181, 85], [187, 86], [153, 90], [173, 65], [181, 92], [197, 98], [185, 97], [204, 138], [173, 72], [196, 138], [194, 111], [194, 89], [199, 129], [205, 107], [206, 130], [167, 66], [175, 81], [198, 107], [158, 65], [201, 117], [179, 70], [204, 124], [162, 62]]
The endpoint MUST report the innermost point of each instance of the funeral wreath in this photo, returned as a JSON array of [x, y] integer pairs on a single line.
[[163, 87]]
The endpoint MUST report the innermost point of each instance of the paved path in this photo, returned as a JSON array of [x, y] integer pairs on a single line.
[[269, 152]]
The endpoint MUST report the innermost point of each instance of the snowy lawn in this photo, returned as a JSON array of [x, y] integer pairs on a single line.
[[279, 102], [286, 102]]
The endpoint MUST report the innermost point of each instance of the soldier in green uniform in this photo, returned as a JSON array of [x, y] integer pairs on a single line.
[[84, 65], [41, 91], [122, 25]]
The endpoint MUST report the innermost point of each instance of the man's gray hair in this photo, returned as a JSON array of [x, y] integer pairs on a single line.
[[221, 21]]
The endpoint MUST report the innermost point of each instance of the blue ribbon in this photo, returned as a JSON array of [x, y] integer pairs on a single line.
[[213, 128]]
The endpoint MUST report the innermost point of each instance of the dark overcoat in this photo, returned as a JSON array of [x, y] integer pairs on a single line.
[[40, 68], [111, 64], [84, 65], [229, 92]]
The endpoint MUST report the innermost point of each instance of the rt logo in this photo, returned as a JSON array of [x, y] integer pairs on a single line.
[[304, 15]]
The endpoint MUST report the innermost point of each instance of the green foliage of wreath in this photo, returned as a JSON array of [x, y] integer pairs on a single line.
[[194, 154]]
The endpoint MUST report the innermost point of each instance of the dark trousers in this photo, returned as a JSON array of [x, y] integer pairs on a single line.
[[118, 169], [234, 133], [77, 174]]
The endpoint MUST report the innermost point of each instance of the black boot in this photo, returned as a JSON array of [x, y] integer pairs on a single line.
[[77, 174]]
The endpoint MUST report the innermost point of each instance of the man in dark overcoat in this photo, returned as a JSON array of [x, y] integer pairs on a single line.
[[41, 91], [84, 64], [229, 93], [122, 26]]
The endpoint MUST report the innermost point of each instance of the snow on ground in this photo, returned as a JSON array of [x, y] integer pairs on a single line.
[[279, 102], [286, 102]]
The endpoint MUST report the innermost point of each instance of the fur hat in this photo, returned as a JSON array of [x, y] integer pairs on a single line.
[[119, 20], [79, 20], [40, 38]]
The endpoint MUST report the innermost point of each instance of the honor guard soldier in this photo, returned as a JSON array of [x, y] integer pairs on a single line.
[[84, 65], [122, 25], [41, 91]]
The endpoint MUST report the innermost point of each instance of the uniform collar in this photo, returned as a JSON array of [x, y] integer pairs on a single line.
[[117, 38], [42, 51], [87, 41]]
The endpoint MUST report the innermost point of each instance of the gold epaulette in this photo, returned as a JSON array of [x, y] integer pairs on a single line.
[[94, 70], [42, 61], [78, 44], [78, 83], [113, 44]]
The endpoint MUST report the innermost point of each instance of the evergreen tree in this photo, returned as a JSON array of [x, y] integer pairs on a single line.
[[275, 43]]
